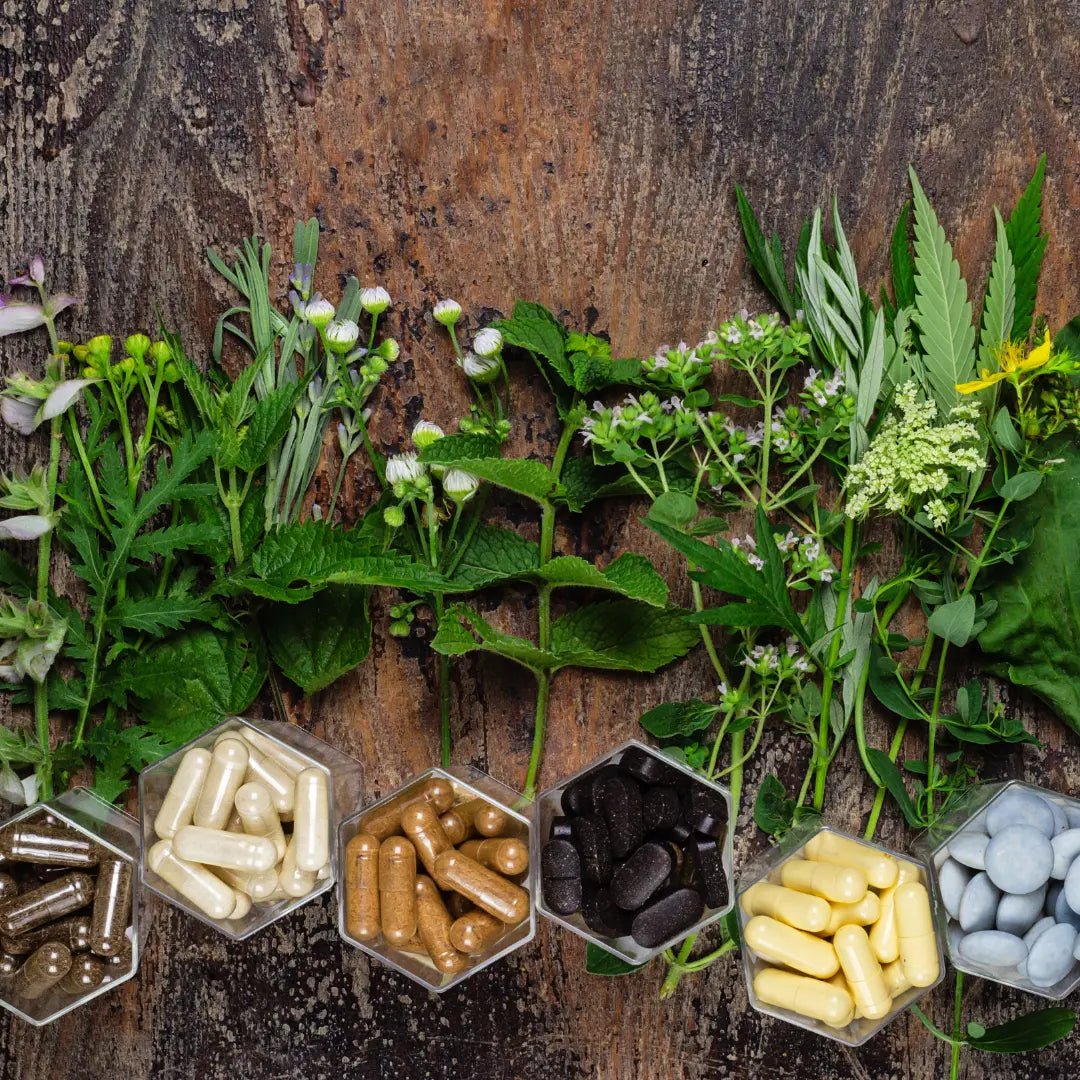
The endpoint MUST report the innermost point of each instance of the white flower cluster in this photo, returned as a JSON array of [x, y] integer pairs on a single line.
[[681, 367], [783, 663], [647, 418], [821, 390], [913, 460], [409, 478]]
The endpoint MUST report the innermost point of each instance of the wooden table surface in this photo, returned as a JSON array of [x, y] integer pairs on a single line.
[[578, 152]]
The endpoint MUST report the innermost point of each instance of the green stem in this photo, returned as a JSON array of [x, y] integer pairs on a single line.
[[443, 665], [338, 480], [670, 983], [958, 1014], [76, 442], [233, 503]]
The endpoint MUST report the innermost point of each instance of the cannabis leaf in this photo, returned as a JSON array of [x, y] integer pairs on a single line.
[[1027, 244], [767, 258], [999, 309]]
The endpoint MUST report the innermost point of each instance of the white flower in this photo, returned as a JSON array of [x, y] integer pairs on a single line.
[[447, 312], [460, 485], [487, 342], [404, 468], [62, 397], [318, 311], [20, 413], [25, 527], [375, 301], [425, 433], [341, 335], [481, 369], [17, 317]]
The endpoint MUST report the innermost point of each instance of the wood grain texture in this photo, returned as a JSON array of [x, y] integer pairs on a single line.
[[581, 153]]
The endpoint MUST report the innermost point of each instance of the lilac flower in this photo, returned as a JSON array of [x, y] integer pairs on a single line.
[[25, 527], [35, 274], [17, 316]]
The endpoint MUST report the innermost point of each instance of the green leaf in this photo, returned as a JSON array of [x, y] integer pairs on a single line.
[[894, 784], [1031, 637], [462, 631], [318, 641], [903, 266], [534, 328], [1044, 1027], [157, 615], [599, 961], [533, 479], [675, 719], [1020, 486], [1027, 242], [673, 508], [120, 752], [773, 810], [495, 555], [766, 259], [954, 621], [630, 574], [1004, 431], [264, 430], [886, 686], [451, 449], [621, 635], [1000, 307], [582, 482], [1067, 339]]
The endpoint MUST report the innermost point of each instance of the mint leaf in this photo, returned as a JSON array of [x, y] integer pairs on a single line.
[[621, 635], [582, 482], [599, 961], [495, 555], [1027, 242], [594, 369], [630, 574], [674, 508], [463, 631], [533, 479], [1031, 1032], [533, 328], [318, 641], [676, 719], [773, 810]]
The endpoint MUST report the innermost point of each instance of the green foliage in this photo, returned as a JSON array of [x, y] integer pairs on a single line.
[[1000, 306], [766, 257], [775, 813], [1038, 1029], [599, 961], [1027, 244], [677, 719]]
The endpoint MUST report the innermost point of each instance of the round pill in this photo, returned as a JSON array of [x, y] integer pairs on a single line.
[[706, 862], [993, 948], [1019, 859], [1038, 930], [969, 849], [978, 905], [1017, 912], [590, 837], [667, 917], [1018, 806], [1071, 891], [952, 881], [640, 876], [1066, 847], [1061, 821], [1063, 911], [1051, 956]]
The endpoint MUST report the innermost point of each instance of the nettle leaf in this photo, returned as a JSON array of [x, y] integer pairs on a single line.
[[599, 961], [946, 333], [901, 263], [1038, 1029], [676, 719], [524, 476], [1000, 307], [766, 258], [318, 641], [495, 555], [955, 621], [533, 328], [582, 482], [120, 752], [621, 635], [266, 427], [451, 449], [462, 630], [630, 574], [594, 369], [1027, 243], [157, 615]]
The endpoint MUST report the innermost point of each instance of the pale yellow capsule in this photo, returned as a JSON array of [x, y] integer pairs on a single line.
[[915, 930], [880, 868], [243, 906], [261, 887], [883, 939], [293, 763], [837, 884], [234, 851], [863, 912], [258, 815], [228, 764], [178, 806], [895, 978], [798, 909], [295, 881], [311, 823], [264, 770], [862, 971], [832, 1005], [205, 890], [779, 943]]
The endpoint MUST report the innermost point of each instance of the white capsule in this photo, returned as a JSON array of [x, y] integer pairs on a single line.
[[226, 773], [294, 881], [205, 890], [243, 906], [263, 769], [234, 851], [179, 803], [260, 886], [311, 821], [290, 761], [255, 805]]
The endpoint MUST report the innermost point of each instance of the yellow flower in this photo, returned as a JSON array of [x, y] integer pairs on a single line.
[[1011, 361]]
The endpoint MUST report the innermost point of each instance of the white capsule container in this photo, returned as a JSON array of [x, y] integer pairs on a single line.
[[289, 750]]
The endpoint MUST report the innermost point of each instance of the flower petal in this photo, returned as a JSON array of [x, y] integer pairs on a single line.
[[63, 397], [25, 527], [1038, 356], [55, 304], [17, 317], [976, 385], [20, 412]]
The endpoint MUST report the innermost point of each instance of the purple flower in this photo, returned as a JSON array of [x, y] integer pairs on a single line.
[[16, 317], [35, 274]]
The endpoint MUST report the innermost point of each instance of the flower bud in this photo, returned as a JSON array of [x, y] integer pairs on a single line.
[[64, 348], [341, 335], [127, 365], [375, 300], [399, 628], [447, 312], [425, 433], [459, 485], [170, 373], [404, 469], [318, 311], [136, 345], [100, 346], [389, 350], [488, 342], [80, 352], [481, 369], [394, 517], [160, 353]]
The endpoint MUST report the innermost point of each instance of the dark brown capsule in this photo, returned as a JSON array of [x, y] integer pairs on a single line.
[[74, 932], [112, 907], [48, 845], [42, 970], [45, 903], [9, 887], [9, 964], [87, 973]]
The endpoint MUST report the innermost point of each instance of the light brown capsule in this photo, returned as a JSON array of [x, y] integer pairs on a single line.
[[45, 903], [484, 887], [385, 820], [228, 765], [475, 932], [457, 904], [455, 827], [361, 874], [74, 932], [397, 889], [504, 854], [42, 969], [433, 921], [9, 964], [86, 974], [48, 845], [420, 824], [112, 907], [491, 820]]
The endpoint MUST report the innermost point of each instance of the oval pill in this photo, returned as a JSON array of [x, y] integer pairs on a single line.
[[311, 821], [260, 886], [915, 932], [384, 820], [178, 807], [798, 909], [505, 854], [47, 902], [361, 885], [112, 907], [779, 943], [205, 890], [397, 889], [837, 884], [85, 974], [233, 851], [883, 939], [862, 971], [433, 923], [292, 762], [484, 887], [281, 784], [43, 969], [832, 1005], [880, 868], [215, 805], [895, 978], [491, 820], [48, 845], [294, 880], [457, 831]]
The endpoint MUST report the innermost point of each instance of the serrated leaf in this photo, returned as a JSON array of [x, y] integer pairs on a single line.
[[1027, 243], [455, 448], [582, 482], [157, 615], [534, 328], [462, 631], [495, 555], [1000, 306], [901, 262], [630, 574], [621, 635], [766, 259], [676, 719], [264, 429], [533, 479], [121, 753], [946, 333], [201, 536]]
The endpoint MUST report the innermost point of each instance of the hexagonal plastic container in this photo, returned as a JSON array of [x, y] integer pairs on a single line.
[[469, 783], [549, 806], [767, 868], [85, 812], [343, 775], [933, 846]]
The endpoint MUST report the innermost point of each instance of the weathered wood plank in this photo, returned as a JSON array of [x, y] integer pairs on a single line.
[[581, 153]]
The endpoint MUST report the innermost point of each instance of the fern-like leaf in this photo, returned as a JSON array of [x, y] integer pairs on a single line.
[[1000, 306]]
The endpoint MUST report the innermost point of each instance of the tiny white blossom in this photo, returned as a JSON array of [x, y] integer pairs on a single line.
[[425, 433], [447, 312], [404, 468], [487, 342], [341, 335], [374, 300], [481, 369], [318, 311], [460, 485]]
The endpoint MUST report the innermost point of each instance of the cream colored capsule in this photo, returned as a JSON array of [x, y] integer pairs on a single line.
[[895, 978], [311, 821], [915, 931], [228, 763], [259, 816], [880, 868], [263, 769], [864, 912], [883, 939], [293, 763], [205, 890], [862, 971], [243, 906], [779, 943], [837, 884], [261, 887], [179, 803], [798, 909], [234, 851], [294, 880], [832, 1005]]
